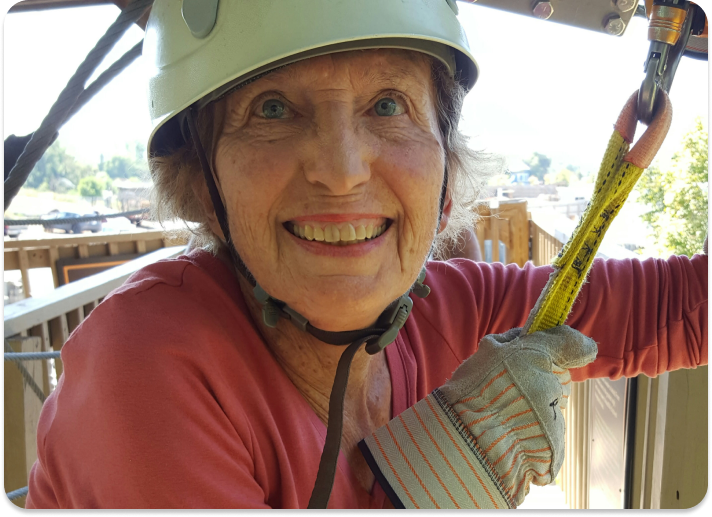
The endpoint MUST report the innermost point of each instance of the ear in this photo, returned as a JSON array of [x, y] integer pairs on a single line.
[[447, 210], [200, 189]]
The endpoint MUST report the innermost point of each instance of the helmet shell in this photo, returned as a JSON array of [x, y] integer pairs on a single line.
[[251, 37]]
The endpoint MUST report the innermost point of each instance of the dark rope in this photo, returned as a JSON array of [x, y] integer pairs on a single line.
[[332, 445], [26, 375], [46, 133], [105, 78]]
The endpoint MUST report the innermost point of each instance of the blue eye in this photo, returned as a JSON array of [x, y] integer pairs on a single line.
[[387, 107], [273, 108]]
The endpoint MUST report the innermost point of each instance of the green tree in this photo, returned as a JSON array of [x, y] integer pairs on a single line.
[[678, 197], [119, 167], [57, 170], [539, 165], [90, 187]]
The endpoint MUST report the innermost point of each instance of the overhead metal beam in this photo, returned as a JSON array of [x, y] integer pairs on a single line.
[[42, 5]]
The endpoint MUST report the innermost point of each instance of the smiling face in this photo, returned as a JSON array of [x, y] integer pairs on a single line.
[[331, 172]]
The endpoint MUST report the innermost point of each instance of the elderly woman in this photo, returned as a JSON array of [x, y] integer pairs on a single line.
[[316, 145]]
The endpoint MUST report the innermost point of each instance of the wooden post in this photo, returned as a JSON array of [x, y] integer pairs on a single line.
[[494, 236], [21, 412], [42, 331], [59, 333], [53, 258], [141, 247], [113, 248], [24, 271], [83, 250]]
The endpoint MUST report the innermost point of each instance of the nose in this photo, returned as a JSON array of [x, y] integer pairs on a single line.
[[337, 154]]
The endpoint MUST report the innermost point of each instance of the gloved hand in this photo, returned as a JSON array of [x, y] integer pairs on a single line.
[[479, 440]]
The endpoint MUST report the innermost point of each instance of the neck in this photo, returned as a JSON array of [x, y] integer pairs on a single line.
[[311, 366]]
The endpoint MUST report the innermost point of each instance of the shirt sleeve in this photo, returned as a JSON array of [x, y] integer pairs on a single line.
[[647, 316], [134, 423]]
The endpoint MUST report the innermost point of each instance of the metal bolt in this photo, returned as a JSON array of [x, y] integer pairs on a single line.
[[625, 5], [613, 25], [543, 10]]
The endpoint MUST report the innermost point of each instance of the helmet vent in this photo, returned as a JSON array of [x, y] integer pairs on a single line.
[[200, 16]]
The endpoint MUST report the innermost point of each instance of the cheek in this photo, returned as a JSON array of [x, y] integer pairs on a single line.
[[415, 172], [252, 175]]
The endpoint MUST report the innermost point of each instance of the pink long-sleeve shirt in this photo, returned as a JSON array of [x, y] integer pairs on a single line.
[[171, 399]]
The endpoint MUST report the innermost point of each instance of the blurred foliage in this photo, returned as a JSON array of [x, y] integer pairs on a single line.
[[539, 165], [90, 187], [678, 197], [57, 171]]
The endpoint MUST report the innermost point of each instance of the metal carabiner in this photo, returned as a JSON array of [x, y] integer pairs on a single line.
[[662, 61]]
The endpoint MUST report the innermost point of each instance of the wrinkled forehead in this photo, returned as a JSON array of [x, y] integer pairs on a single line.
[[356, 69]]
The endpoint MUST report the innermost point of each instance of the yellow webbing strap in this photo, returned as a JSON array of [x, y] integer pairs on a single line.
[[619, 172]]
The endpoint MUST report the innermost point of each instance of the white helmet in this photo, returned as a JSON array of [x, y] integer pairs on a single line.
[[198, 50]]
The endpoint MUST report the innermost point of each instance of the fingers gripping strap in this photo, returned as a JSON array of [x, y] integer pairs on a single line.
[[429, 460]]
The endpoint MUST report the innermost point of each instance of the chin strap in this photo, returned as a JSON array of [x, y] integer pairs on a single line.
[[376, 338]]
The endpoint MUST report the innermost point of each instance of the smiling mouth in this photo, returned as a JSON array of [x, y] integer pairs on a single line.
[[339, 234]]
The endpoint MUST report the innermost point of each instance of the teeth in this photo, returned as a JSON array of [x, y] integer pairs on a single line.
[[351, 234], [347, 234]]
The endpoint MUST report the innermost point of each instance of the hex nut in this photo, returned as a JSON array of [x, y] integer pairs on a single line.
[[614, 25], [625, 5]]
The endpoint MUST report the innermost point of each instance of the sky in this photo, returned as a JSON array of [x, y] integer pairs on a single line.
[[543, 87]]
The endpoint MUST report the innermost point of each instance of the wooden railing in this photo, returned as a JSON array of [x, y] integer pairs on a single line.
[[24, 255], [42, 325], [508, 228]]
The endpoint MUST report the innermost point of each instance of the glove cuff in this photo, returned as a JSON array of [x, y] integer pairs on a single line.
[[426, 458]]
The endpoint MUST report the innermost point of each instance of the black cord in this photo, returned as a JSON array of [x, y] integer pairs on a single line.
[[332, 445]]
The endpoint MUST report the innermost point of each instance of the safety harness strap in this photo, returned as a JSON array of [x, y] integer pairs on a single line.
[[617, 176]]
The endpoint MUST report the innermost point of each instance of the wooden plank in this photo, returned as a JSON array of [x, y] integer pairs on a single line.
[[53, 258], [33, 405], [37, 258], [24, 271], [83, 250], [113, 248], [59, 333], [28, 313], [493, 225], [42, 331], [141, 247], [14, 426], [12, 260], [73, 241]]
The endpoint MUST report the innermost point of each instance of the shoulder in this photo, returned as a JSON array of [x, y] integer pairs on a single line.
[[165, 305]]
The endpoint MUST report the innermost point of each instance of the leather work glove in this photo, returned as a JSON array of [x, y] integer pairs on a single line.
[[493, 428]]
